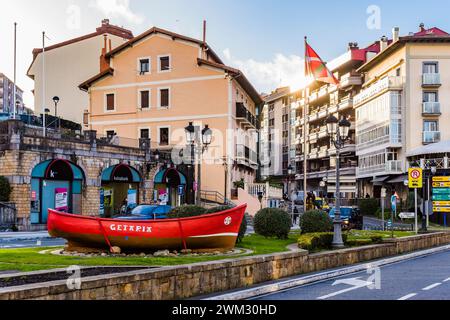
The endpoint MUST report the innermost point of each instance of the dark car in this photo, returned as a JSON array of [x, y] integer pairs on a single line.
[[147, 212], [351, 217]]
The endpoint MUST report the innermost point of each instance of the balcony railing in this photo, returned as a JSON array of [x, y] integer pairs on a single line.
[[390, 167], [351, 79], [388, 83], [246, 156], [244, 115], [431, 79], [431, 108], [431, 137]]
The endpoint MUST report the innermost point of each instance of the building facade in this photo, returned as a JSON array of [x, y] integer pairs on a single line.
[[401, 107], [7, 96], [154, 85], [323, 101], [67, 64]]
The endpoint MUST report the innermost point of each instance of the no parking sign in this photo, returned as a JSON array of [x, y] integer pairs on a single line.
[[415, 178]]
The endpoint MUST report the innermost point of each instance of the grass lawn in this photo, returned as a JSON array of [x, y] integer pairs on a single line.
[[366, 234], [24, 260]]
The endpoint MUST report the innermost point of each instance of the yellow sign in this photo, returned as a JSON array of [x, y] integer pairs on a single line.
[[441, 203], [441, 179], [441, 184], [441, 209], [415, 178]]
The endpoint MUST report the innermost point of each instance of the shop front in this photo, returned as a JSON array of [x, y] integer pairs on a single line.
[[120, 189], [55, 184], [170, 187]]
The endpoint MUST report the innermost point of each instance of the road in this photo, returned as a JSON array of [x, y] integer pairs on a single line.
[[424, 278], [374, 223], [11, 240]]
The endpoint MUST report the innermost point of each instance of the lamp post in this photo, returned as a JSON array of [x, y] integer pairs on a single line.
[[202, 146], [56, 101], [338, 131]]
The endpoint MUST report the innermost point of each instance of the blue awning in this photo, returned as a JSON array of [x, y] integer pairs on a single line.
[[161, 177], [121, 173], [41, 171]]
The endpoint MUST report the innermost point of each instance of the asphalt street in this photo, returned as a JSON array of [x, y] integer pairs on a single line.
[[31, 243], [424, 278]]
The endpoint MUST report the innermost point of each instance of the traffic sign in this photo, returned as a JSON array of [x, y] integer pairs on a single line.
[[441, 191], [441, 197], [441, 209], [441, 184], [441, 179], [441, 203], [415, 178]]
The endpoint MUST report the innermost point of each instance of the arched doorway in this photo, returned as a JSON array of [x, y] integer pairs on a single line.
[[55, 184], [170, 187], [120, 185]]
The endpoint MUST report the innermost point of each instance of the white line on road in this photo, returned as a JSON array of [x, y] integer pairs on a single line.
[[434, 285], [408, 296], [341, 292]]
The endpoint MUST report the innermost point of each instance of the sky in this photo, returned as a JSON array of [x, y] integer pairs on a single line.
[[263, 38]]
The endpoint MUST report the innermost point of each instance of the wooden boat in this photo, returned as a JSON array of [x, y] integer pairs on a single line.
[[218, 231]]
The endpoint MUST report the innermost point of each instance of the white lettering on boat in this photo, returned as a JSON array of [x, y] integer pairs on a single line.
[[125, 228]]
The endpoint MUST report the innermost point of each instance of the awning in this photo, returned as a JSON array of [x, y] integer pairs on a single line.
[[380, 179], [434, 148], [163, 176], [398, 179], [121, 173], [57, 169]]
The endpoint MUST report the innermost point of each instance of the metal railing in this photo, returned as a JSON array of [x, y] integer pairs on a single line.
[[8, 215], [214, 197], [431, 79], [431, 108], [431, 136]]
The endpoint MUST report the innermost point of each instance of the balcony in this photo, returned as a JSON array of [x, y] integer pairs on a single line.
[[245, 117], [351, 79], [388, 168], [431, 137], [345, 104], [431, 108], [381, 86], [323, 91], [431, 80], [247, 157]]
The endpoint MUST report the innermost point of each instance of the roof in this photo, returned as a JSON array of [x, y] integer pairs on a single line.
[[174, 36], [238, 76], [433, 35], [105, 28], [277, 94], [434, 148], [85, 85]]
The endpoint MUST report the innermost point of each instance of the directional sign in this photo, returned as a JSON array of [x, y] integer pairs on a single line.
[[445, 191], [415, 178], [407, 215], [441, 203], [441, 179], [441, 184], [441, 209], [441, 197]]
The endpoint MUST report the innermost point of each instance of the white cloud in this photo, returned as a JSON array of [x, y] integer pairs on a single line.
[[118, 9], [266, 76]]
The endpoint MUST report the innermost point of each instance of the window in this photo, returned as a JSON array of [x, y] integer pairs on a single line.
[[164, 98], [430, 126], [398, 72], [144, 65], [110, 102], [430, 67], [144, 99], [430, 96], [163, 136], [144, 133], [164, 63]]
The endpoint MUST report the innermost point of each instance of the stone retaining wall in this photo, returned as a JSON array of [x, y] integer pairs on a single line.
[[188, 281]]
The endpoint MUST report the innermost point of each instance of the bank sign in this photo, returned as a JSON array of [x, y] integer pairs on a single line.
[[441, 194]]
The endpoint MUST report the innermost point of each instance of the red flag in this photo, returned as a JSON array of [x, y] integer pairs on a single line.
[[315, 67]]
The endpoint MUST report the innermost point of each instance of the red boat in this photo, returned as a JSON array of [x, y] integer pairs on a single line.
[[218, 231]]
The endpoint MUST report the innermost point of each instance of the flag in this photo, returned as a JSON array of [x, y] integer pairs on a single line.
[[316, 68]]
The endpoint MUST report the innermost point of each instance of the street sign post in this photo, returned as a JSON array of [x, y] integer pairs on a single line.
[[441, 195], [415, 178]]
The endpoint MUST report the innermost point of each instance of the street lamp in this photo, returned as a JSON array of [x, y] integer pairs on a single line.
[[338, 131], [56, 101], [202, 146]]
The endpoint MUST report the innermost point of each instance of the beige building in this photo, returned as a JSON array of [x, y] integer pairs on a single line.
[[67, 64], [155, 84], [7, 96], [402, 106]]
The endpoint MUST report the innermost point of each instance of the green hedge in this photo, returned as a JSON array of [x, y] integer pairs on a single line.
[[369, 207], [272, 222], [5, 189], [315, 221], [187, 211], [317, 241]]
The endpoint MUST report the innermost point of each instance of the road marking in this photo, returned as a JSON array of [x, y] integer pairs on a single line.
[[355, 282], [408, 296], [432, 286], [447, 280]]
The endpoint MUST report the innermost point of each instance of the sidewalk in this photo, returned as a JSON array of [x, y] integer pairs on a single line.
[[14, 236]]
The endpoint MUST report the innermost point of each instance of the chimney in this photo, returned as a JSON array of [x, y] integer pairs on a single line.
[[383, 43], [105, 22], [422, 27], [104, 63], [395, 34]]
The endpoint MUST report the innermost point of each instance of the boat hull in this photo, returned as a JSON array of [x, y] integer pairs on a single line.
[[218, 231]]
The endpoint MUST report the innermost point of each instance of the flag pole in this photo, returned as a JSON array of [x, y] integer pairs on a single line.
[[305, 156], [15, 72]]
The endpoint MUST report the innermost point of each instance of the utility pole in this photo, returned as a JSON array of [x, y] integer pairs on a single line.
[[43, 87]]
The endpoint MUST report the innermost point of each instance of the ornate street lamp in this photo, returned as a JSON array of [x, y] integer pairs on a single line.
[[190, 133], [56, 101], [206, 136], [338, 132]]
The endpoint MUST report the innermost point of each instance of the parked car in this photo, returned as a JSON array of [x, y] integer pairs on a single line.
[[147, 212], [351, 217]]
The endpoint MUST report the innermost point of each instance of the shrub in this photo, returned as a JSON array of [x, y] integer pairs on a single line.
[[271, 222], [187, 211], [5, 189], [368, 207], [358, 242], [315, 221], [243, 229], [218, 209], [387, 214], [317, 241]]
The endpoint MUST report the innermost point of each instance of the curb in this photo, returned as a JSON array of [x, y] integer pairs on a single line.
[[289, 284]]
